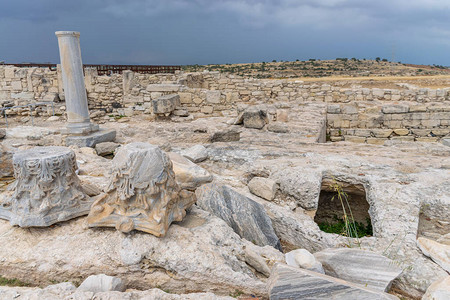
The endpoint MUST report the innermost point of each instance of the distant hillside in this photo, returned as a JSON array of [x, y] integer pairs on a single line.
[[323, 68]]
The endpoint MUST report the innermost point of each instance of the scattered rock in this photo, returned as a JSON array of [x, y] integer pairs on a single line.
[[2, 133], [226, 135], [288, 282], [188, 175], [166, 104], [6, 166], [245, 216], [302, 258], [28, 132], [438, 252], [263, 187], [438, 290], [255, 117], [257, 262], [106, 148], [102, 283], [278, 127], [53, 119], [195, 153], [359, 266], [300, 185]]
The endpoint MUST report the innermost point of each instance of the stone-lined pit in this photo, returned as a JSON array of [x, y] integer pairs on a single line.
[[330, 215]]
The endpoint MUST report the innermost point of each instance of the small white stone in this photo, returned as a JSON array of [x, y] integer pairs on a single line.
[[302, 258]]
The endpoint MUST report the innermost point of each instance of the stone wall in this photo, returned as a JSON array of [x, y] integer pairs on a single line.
[[356, 114]]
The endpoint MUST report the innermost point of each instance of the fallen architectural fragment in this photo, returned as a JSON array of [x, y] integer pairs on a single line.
[[245, 216], [46, 189], [364, 267], [288, 282], [142, 192]]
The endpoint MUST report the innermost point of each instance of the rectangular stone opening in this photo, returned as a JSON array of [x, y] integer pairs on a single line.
[[341, 202]]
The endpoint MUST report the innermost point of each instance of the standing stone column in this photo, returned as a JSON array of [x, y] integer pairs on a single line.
[[73, 81], [82, 132]]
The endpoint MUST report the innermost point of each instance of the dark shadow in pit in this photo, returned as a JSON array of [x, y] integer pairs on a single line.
[[330, 214]]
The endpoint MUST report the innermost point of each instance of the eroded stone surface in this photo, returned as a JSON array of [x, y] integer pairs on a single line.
[[142, 192], [245, 216], [364, 267], [46, 189], [438, 252], [288, 282]]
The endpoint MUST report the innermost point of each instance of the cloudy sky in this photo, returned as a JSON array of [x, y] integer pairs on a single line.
[[227, 31]]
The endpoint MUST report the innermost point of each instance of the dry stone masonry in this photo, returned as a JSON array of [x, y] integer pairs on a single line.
[[354, 114]]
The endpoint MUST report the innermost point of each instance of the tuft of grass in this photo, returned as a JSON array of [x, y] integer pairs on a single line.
[[338, 227], [12, 282]]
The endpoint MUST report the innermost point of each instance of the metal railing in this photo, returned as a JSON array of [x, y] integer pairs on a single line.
[[111, 69], [31, 106]]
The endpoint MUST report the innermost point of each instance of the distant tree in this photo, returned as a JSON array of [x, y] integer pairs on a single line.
[[384, 59], [274, 60], [377, 59], [297, 59], [312, 59]]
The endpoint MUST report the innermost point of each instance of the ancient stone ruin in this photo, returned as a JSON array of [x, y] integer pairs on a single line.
[[46, 189], [220, 186], [142, 193]]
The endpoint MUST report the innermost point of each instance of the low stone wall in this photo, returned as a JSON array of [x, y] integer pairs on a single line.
[[372, 123], [352, 112]]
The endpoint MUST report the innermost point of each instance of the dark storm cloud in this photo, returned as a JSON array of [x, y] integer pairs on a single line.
[[221, 31]]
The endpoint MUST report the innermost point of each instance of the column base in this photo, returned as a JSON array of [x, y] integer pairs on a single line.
[[92, 139], [80, 128]]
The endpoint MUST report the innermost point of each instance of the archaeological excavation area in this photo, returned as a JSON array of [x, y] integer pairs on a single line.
[[207, 185]]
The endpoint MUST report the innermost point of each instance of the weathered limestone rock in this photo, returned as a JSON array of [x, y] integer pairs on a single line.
[[359, 266], [257, 262], [253, 117], [142, 192], [288, 282], [302, 258], [195, 153], [188, 175], [106, 148], [438, 290], [46, 189], [202, 253], [245, 216], [300, 185], [166, 104], [438, 252], [226, 135], [6, 166], [263, 187], [102, 283], [56, 292], [278, 127], [2, 133]]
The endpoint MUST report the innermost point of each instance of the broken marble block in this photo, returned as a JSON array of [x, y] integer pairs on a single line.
[[288, 282], [166, 104], [359, 266], [142, 192], [46, 189]]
